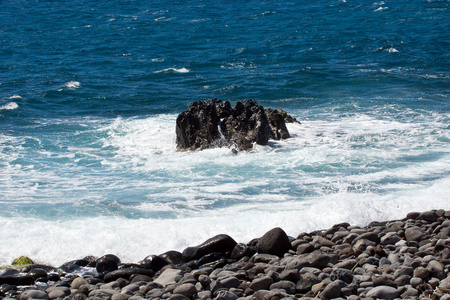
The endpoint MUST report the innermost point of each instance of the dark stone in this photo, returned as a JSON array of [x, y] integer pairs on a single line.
[[277, 124], [275, 242], [127, 273], [28, 268], [332, 290], [213, 123], [413, 215], [17, 280], [37, 273], [414, 234], [306, 281], [173, 257], [220, 243], [384, 280], [371, 236], [241, 250], [154, 263], [107, 264], [209, 258], [430, 216], [305, 248], [140, 277], [286, 285], [342, 274]]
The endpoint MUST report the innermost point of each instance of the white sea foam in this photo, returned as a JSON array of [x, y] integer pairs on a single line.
[[72, 85], [173, 70], [9, 106], [127, 186]]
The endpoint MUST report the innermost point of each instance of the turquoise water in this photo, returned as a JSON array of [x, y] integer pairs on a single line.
[[89, 94]]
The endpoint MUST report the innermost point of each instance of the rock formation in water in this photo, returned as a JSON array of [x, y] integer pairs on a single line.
[[214, 123]]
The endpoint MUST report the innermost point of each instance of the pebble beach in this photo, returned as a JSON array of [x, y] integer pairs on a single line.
[[396, 259]]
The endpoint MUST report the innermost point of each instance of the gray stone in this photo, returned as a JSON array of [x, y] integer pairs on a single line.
[[414, 234], [225, 295], [402, 280], [430, 216], [390, 238], [33, 294], [415, 281], [204, 295], [168, 277], [421, 272], [178, 297], [288, 286], [383, 292], [386, 280], [204, 279], [403, 270], [306, 282], [186, 289], [133, 287], [262, 283], [305, 248], [77, 282], [103, 293], [155, 293], [436, 269], [410, 292], [120, 297], [230, 282], [332, 290], [55, 294], [445, 283]]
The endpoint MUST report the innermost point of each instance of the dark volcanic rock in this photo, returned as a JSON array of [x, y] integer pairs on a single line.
[[275, 242], [220, 243], [213, 123]]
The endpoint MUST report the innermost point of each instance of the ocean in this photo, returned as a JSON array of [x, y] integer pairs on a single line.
[[90, 91]]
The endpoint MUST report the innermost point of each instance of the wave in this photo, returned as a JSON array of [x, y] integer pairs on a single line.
[[173, 70], [72, 85], [123, 177], [9, 106]]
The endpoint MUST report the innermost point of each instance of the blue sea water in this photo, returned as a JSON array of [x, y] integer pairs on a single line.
[[90, 91]]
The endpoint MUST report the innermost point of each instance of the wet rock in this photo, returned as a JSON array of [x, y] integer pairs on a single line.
[[17, 280], [127, 273], [107, 263], [221, 243], [275, 242], [213, 123], [154, 262]]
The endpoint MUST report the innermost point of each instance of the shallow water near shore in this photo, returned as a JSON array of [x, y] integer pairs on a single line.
[[89, 96]]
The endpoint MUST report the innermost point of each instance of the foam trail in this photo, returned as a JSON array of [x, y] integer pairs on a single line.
[[174, 70], [72, 85]]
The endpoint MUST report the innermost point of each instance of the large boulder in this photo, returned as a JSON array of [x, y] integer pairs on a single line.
[[213, 123]]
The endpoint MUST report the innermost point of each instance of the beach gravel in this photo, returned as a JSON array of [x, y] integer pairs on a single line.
[[407, 258]]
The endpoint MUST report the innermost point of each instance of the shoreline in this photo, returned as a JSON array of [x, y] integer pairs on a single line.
[[406, 258]]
